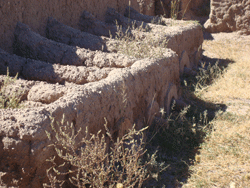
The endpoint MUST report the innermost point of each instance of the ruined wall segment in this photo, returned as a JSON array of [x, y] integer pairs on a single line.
[[229, 16], [24, 144], [35, 13], [91, 86]]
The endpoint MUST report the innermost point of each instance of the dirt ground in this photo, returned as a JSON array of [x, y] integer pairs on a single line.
[[221, 159], [239, 48]]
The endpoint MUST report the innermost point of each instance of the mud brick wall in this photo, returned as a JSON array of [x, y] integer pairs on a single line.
[[66, 71], [229, 16], [35, 13]]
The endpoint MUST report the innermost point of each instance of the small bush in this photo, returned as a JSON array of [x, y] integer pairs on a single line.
[[90, 163], [8, 100], [181, 130], [206, 75]]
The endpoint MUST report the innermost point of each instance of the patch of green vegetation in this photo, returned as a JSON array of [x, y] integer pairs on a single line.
[[7, 99]]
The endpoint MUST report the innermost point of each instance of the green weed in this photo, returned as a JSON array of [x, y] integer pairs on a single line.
[[7, 99], [175, 6]]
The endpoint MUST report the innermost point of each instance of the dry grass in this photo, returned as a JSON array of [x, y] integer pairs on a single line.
[[96, 163], [235, 82], [224, 157], [139, 43]]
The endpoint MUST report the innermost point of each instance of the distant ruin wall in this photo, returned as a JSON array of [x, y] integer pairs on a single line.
[[35, 13], [228, 16]]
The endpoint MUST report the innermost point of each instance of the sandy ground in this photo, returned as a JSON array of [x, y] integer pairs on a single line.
[[241, 104], [217, 46]]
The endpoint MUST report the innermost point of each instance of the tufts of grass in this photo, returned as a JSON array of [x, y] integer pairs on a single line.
[[175, 9], [140, 43], [206, 75], [158, 20], [179, 136], [176, 139], [175, 6], [235, 81], [224, 155], [7, 99], [183, 130]]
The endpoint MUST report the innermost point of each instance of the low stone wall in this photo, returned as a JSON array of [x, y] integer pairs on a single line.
[[229, 16], [24, 142], [123, 91]]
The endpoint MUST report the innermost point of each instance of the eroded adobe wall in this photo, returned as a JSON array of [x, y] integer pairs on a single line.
[[228, 16], [60, 75], [24, 144], [92, 86], [35, 13]]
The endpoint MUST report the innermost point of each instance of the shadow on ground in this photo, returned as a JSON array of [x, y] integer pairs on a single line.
[[223, 63], [179, 138], [207, 36]]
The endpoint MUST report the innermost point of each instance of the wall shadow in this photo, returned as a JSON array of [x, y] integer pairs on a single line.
[[207, 36], [222, 63], [179, 139]]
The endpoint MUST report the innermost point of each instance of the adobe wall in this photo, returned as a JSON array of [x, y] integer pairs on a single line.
[[67, 72], [24, 144], [123, 93], [229, 16], [35, 13]]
